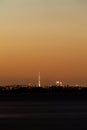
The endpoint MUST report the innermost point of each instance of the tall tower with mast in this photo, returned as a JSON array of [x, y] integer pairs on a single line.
[[39, 82]]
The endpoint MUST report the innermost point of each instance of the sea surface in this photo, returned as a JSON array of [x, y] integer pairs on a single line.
[[43, 115]]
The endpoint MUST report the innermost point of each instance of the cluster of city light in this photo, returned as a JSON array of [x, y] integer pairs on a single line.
[[59, 83]]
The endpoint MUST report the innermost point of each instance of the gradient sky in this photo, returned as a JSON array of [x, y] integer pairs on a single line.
[[49, 36]]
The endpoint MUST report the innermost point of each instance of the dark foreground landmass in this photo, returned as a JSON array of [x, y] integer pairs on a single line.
[[43, 109], [43, 94]]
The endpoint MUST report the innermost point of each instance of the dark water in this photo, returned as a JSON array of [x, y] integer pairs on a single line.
[[45, 115]]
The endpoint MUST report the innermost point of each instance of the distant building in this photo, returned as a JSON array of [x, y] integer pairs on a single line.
[[59, 83], [39, 82]]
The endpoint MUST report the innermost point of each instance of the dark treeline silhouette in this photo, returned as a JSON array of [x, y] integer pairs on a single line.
[[40, 93]]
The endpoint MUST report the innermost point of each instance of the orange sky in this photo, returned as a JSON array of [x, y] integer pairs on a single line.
[[49, 36]]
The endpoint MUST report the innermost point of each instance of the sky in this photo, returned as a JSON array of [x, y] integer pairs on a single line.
[[49, 36]]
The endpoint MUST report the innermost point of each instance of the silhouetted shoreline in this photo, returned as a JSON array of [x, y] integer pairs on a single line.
[[44, 94]]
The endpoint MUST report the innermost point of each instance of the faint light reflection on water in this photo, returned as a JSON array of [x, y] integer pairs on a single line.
[[43, 115]]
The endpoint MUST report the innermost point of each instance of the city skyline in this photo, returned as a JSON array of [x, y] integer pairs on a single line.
[[49, 36], [39, 82]]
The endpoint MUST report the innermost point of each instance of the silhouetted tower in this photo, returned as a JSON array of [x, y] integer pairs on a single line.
[[39, 83]]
